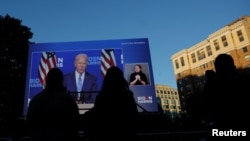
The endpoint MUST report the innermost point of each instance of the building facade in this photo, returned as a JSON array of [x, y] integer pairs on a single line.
[[169, 101], [190, 64]]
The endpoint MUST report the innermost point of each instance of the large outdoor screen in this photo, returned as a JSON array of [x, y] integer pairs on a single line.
[[124, 53]]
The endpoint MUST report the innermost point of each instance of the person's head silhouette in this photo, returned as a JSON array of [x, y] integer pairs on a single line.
[[54, 80], [224, 65], [114, 79]]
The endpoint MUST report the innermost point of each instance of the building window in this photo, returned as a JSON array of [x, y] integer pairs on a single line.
[[224, 41], [216, 45], [209, 50], [177, 64], [245, 49], [174, 107], [166, 101], [193, 57], [173, 101], [182, 61], [240, 35], [201, 54]]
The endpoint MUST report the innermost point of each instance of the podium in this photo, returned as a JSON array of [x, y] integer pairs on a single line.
[[84, 107]]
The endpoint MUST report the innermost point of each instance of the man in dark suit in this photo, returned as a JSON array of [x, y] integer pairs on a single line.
[[80, 82]]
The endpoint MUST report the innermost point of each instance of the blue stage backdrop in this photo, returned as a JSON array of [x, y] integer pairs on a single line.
[[124, 53]]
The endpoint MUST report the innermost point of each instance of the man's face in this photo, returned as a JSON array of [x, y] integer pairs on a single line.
[[81, 64]]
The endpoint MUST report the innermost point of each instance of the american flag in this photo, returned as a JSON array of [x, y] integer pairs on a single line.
[[48, 61], [107, 60]]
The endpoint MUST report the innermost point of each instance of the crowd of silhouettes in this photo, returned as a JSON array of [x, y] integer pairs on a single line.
[[225, 96], [222, 103], [53, 114]]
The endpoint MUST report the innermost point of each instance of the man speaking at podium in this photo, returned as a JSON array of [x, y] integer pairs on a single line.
[[81, 82]]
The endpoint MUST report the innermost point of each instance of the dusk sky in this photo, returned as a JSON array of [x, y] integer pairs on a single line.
[[169, 25]]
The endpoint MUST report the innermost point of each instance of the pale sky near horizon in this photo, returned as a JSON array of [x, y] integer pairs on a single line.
[[169, 25]]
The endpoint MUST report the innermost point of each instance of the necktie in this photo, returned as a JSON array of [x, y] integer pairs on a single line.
[[79, 85]]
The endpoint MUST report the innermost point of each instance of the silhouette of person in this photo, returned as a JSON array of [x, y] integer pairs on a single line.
[[210, 76], [53, 114], [138, 77], [208, 88], [88, 86], [228, 96], [115, 112]]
